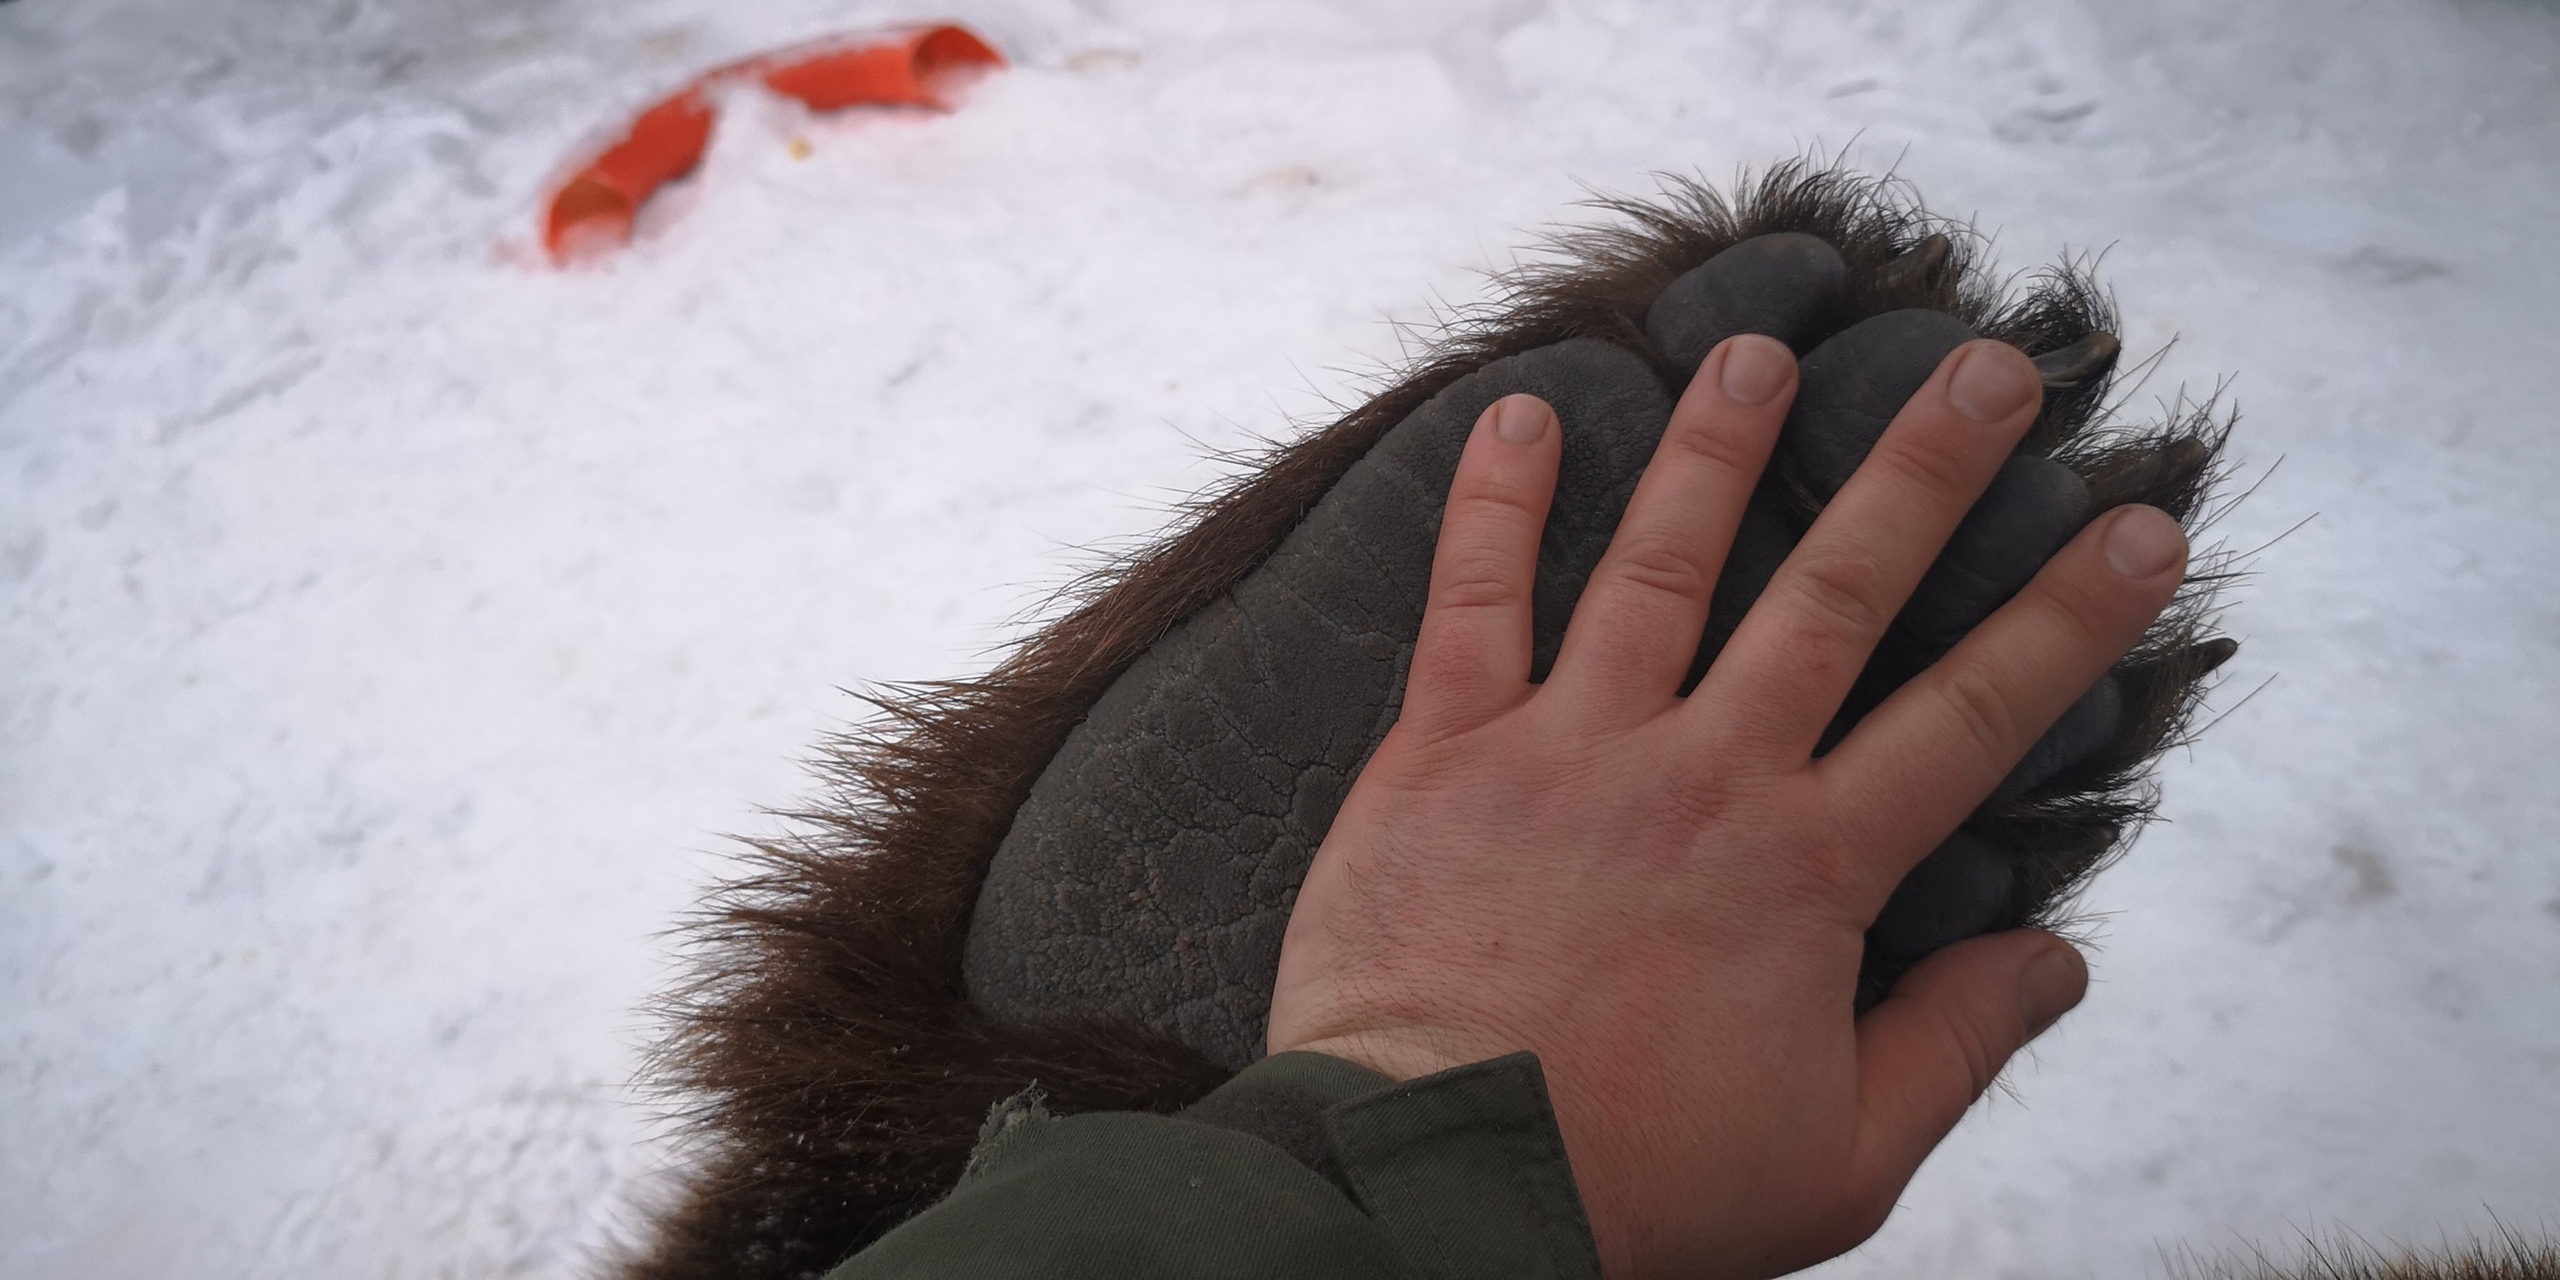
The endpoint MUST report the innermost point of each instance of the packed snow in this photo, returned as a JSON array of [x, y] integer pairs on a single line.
[[395, 624]]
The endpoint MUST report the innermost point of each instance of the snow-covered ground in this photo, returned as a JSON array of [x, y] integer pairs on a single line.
[[393, 625]]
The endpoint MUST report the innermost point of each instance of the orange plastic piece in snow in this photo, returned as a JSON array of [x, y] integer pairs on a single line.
[[909, 67], [908, 70], [599, 203]]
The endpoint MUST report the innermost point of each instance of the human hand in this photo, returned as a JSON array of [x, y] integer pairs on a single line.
[[1665, 897]]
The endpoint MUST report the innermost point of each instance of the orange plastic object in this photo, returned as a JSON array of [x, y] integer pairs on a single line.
[[598, 204], [910, 70], [907, 67]]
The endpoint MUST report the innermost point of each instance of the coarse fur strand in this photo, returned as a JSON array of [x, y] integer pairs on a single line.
[[2512, 1256], [823, 1056]]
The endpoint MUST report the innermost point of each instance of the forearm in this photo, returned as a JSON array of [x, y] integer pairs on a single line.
[[1304, 1165]]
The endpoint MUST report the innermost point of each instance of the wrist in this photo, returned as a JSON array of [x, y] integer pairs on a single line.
[[1406, 1052]]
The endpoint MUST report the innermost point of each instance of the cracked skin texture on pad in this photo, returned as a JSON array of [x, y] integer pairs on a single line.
[[1152, 869]]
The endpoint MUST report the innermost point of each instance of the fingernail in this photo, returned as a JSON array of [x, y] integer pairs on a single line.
[[1992, 382], [1521, 419], [2144, 541], [2050, 986], [1755, 368]]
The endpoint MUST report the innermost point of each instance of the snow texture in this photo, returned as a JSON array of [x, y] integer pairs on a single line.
[[393, 623]]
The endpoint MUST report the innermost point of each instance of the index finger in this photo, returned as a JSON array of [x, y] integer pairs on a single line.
[[1471, 659]]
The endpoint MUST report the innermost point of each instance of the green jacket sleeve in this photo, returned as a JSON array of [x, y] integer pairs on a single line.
[[1302, 1166]]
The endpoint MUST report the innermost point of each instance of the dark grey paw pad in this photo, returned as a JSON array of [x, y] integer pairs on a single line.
[[1787, 285], [1853, 384], [2032, 507], [1961, 890]]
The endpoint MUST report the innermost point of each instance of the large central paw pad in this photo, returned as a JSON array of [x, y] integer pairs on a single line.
[[1150, 873]]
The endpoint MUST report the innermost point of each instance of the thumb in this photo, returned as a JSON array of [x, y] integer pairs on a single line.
[[1942, 1037]]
